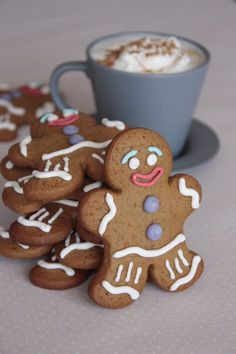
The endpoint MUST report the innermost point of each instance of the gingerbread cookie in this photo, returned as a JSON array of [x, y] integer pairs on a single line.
[[140, 218], [11, 249], [61, 159], [22, 106], [47, 226], [11, 172], [79, 255], [50, 274]]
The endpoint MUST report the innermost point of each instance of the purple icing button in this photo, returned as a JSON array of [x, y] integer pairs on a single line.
[[154, 232], [70, 129], [75, 139], [151, 204]]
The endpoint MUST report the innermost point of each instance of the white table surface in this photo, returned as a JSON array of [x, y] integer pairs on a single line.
[[34, 37]]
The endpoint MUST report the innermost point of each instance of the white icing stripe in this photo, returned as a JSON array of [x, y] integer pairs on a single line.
[[119, 125], [5, 122], [108, 217], [183, 259], [68, 202], [15, 185], [181, 281], [43, 216], [48, 164], [116, 290], [137, 276], [129, 271], [78, 246], [66, 166], [34, 223], [39, 212], [55, 216], [69, 271], [99, 158], [170, 270], [189, 192], [92, 186], [23, 145], [25, 179], [67, 240], [59, 174], [17, 111], [4, 234], [47, 107], [119, 272], [177, 266], [149, 253], [25, 247], [9, 165], [73, 148]]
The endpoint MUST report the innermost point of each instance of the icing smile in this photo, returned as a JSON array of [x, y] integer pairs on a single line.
[[64, 121], [147, 180]]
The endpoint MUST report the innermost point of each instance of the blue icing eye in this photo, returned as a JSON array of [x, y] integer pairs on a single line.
[[70, 112]]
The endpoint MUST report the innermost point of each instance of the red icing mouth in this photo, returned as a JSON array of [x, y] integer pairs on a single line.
[[149, 179], [64, 121], [31, 91]]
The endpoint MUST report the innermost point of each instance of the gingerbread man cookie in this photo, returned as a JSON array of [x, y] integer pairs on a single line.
[[140, 218], [22, 106], [61, 159]]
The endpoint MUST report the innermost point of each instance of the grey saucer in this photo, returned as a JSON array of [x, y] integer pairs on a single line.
[[202, 144]]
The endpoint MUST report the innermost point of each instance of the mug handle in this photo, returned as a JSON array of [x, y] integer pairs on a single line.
[[56, 74]]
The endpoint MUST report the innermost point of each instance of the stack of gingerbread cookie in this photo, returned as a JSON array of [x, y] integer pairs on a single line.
[[99, 197]]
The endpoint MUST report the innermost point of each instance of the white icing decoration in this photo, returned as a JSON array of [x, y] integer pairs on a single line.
[[69, 271], [99, 158], [63, 174], [25, 247], [47, 107], [109, 216], [177, 266], [137, 276], [4, 234], [17, 111], [116, 290], [53, 258], [51, 117], [134, 163], [119, 272], [183, 259], [149, 253], [103, 152], [5, 122], [78, 246], [68, 202], [129, 271], [119, 125], [40, 214], [9, 165], [75, 147], [184, 280], [48, 165], [92, 186], [151, 159], [170, 270], [189, 192], [15, 185], [67, 240], [45, 90], [23, 145]]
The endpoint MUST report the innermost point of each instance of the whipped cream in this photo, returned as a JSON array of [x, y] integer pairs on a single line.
[[152, 55]]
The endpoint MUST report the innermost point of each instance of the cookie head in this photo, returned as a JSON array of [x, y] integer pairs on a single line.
[[138, 158]]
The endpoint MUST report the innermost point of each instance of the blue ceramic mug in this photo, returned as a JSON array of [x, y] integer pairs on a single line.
[[162, 102]]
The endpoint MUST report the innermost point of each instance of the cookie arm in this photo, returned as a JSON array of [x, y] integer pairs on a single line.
[[186, 192], [96, 211]]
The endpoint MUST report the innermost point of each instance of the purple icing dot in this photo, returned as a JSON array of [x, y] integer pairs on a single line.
[[6, 97], [151, 204], [75, 139], [70, 129], [154, 232]]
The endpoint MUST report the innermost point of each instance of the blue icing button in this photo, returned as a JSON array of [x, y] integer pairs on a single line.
[[16, 94], [70, 129], [154, 232], [6, 97], [151, 204], [75, 139]]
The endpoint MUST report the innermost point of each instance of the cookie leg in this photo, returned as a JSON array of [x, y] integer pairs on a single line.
[[118, 282], [177, 270]]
